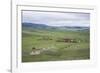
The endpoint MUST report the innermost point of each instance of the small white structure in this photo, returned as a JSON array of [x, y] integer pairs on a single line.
[[35, 52]]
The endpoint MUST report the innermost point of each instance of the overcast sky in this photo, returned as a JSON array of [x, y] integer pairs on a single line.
[[56, 18]]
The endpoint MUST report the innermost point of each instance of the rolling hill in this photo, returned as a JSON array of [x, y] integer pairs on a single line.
[[45, 27]]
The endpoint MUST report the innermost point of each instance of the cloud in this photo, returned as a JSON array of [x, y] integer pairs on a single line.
[[56, 18]]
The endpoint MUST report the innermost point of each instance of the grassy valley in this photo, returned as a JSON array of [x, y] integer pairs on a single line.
[[63, 44]]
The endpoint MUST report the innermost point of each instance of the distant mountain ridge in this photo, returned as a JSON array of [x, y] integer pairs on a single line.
[[44, 26], [34, 25]]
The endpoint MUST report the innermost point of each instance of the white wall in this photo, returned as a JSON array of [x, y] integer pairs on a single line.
[[88, 2], [5, 32]]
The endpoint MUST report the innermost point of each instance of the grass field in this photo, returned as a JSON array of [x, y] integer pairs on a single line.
[[63, 45]]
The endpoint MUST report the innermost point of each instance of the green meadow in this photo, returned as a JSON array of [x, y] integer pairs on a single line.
[[62, 44]]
